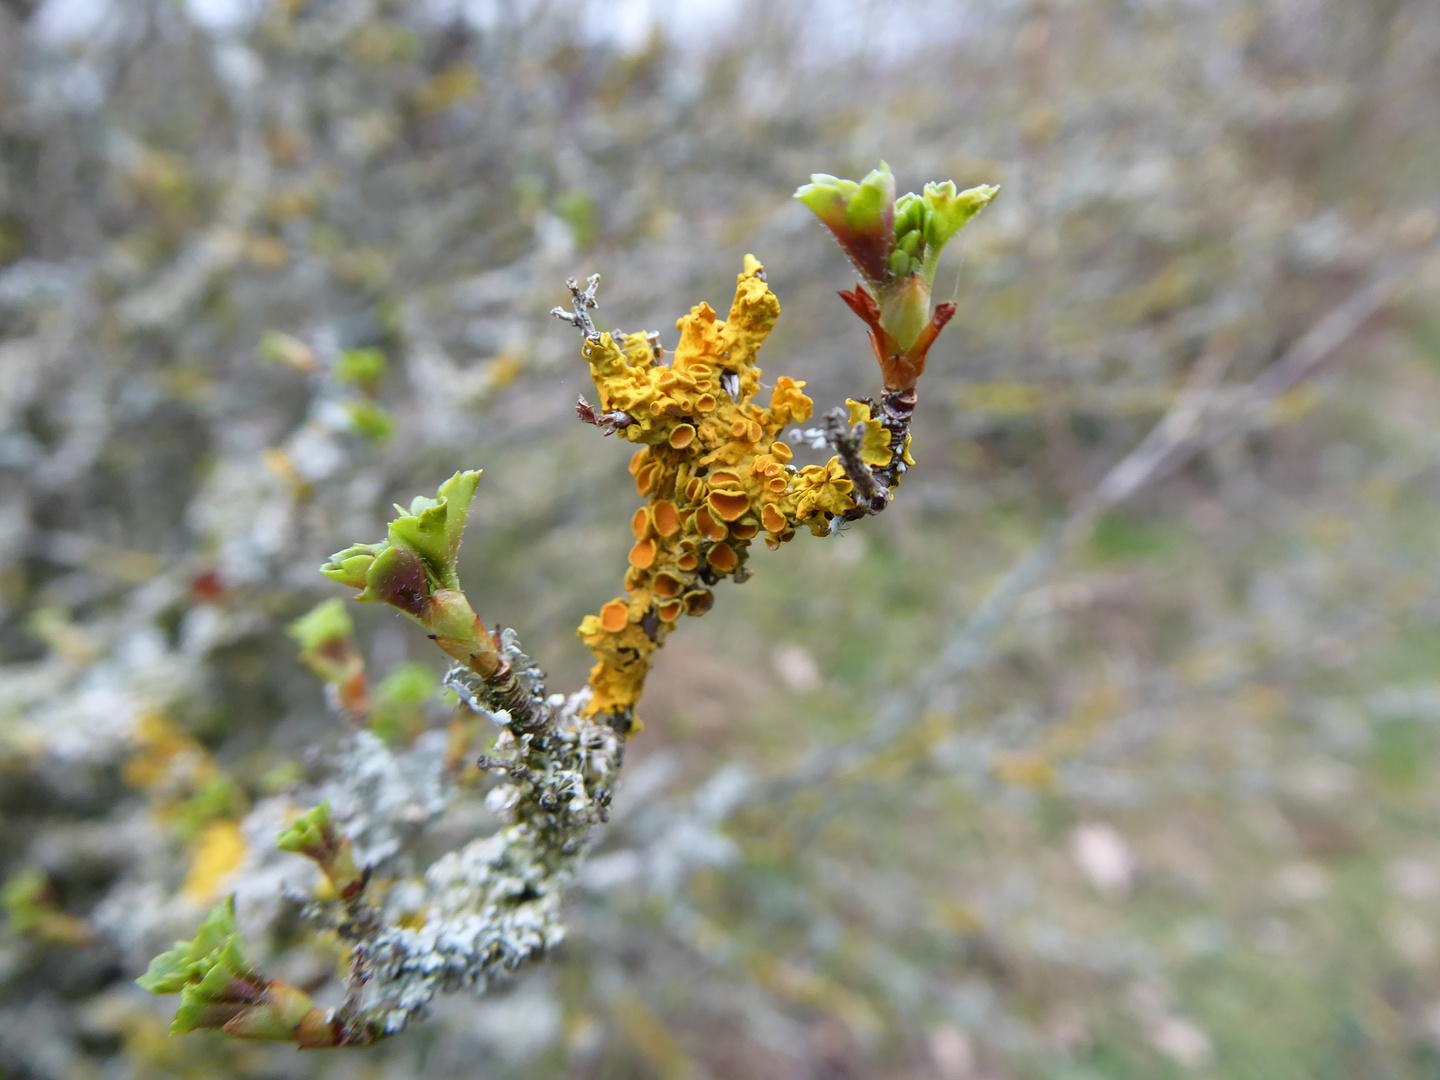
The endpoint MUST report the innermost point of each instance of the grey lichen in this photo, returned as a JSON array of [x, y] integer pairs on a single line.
[[480, 913], [382, 798]]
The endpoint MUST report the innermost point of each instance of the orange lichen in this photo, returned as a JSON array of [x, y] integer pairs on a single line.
[[711, 469], [667, 518], [614, 615], [642, 555], [706, 525], [167, 757], [645, 479], [728, 505], [722, 557]]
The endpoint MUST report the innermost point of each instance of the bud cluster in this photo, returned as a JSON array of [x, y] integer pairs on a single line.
[[414, 571], [896, 246], [220, 988], [326, 636], [314, 835]]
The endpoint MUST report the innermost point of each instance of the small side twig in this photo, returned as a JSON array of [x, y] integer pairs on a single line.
[[582, 302], [608, 422], [871, 497], [873, 484]]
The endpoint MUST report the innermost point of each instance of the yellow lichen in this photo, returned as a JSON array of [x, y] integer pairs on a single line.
[[219, 850], [875, 445], [712, 471]]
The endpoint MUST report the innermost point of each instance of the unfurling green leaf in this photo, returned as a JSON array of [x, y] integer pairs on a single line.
[[415, 571], [215, 947], [859, 216], [25, 899], [220, 988], [431, 530], [314, 835], [948, 214]]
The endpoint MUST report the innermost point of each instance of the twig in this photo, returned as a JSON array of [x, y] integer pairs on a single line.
[[608, 422], [582, 302], [870, 495]]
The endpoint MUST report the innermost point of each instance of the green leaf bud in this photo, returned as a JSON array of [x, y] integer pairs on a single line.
[[314, 835], [278, 348], [905, 309], [197, 1013], [324, 625], [310, 834], [397, 577], [361, 367], [220, 797], [407, 685], [450, 615], [25, 899], [370, 421], [260, 1024]]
